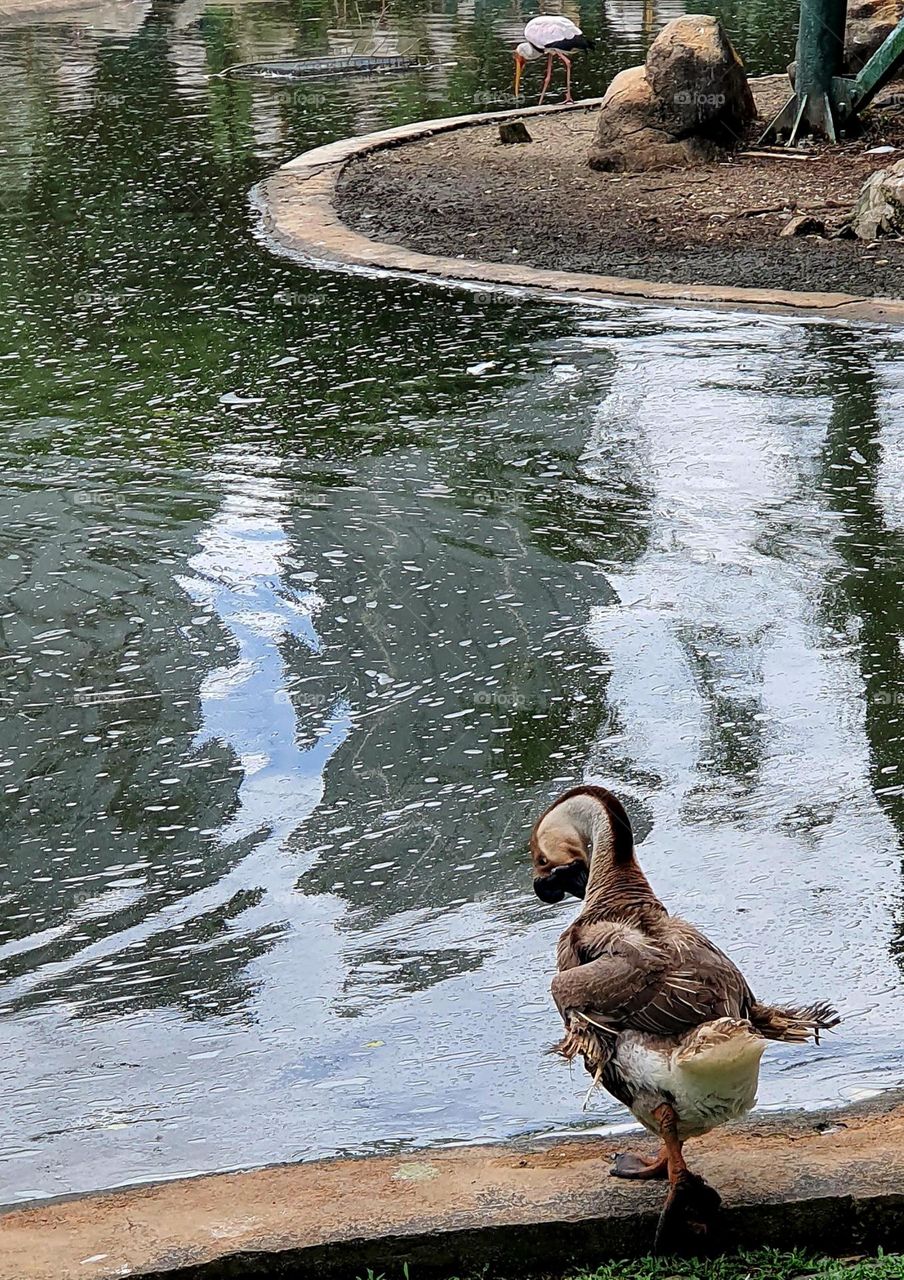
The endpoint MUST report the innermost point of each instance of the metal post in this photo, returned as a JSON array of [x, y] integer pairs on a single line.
[[820, 52], [854, 95]]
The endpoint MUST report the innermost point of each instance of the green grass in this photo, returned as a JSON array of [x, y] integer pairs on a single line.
[[764, 1265]]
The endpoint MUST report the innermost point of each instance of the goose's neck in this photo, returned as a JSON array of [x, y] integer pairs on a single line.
[[616, 883]]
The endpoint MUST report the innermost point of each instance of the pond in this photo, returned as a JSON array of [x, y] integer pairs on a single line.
[[316, 588]]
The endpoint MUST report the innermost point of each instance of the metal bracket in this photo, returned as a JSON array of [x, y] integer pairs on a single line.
[[804, 113], [878, 71], [823, 99]]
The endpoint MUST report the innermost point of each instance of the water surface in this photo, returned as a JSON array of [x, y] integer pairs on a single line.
[[315, 589]]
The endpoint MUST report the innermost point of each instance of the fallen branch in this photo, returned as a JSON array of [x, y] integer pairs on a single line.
[[779, 155]]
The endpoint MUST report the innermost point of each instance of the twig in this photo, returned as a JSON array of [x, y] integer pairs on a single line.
[[779, 155]]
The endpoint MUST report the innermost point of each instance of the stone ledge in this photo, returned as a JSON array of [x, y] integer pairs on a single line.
[[299, 218], [832, 1181]]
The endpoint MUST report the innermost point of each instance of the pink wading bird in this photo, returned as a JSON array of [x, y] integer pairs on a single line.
[[553, 37]]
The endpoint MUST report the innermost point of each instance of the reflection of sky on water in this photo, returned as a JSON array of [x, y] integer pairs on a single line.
[[740, 705], [733, 723], [239, 575]]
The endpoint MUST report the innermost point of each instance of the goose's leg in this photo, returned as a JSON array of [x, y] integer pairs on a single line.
[[691, 1204], [629, 1166], [547, 80]]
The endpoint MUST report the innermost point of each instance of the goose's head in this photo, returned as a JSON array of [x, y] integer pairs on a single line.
[[559, 854], [565, 836]]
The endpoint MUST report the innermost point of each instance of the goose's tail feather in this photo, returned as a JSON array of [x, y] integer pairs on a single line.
[[796, 1024]]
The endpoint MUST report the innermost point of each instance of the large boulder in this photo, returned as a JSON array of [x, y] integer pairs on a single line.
[[869, 23], [879, 210], [688, 103], [630, 135], [699, 80]]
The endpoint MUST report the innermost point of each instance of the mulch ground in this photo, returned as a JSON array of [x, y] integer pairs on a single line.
[[464, 194]]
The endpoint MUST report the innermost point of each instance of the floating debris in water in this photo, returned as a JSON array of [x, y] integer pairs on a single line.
[[302, 68], [234, 400]]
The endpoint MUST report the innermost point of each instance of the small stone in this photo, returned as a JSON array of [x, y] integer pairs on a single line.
[[514, 131], [891, 100], [802, 224]]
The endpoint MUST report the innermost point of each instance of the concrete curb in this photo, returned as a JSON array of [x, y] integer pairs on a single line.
[[832, 1181], [299, 217]]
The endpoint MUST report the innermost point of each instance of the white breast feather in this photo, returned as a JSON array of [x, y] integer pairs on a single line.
[[710, 1075]]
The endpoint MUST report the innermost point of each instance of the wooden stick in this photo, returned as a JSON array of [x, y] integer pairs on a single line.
[[779, 155]]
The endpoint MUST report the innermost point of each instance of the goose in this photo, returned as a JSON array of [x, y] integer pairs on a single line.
[[661, 1017]]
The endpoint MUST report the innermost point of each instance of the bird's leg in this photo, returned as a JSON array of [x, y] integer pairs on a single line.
[[547, 80], [691, 1204], [667, 1120], [567, 61], [629, 1166]]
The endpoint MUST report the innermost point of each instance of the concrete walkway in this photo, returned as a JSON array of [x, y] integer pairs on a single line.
[[300, 218], [831, 1181]]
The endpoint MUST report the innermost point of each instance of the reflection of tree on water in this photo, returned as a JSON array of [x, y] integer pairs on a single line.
[[867, 602], [200, 966], [464, 602]]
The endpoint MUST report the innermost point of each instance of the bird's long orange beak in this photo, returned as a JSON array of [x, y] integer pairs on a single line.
[[519, 67]]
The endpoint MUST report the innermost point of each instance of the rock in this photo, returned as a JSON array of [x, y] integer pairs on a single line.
[[698, 80], [514, 131], [802, 224], [688, 104], [628, 136], [879, 210], [869, 22]]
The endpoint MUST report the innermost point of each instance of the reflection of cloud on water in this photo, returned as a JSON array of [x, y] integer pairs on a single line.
[[237, 580], [239, 575], [890, 487], [735, 697]]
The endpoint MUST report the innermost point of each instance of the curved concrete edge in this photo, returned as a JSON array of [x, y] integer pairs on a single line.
[[831, 1182], [300, 218]]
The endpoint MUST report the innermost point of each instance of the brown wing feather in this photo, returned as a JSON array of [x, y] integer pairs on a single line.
[[620, 973], [666, 984]]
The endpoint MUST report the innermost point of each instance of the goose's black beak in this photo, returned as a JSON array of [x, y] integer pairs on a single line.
[[561, 880]]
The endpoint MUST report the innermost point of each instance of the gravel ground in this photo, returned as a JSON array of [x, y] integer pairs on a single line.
[[463, 194]]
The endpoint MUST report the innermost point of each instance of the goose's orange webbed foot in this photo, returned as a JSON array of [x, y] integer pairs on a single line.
[[626, 1165], [688, 1216]]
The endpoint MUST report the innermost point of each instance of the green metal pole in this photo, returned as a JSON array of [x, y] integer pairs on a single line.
[[820, 59], [820, 52], [884, 63]]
